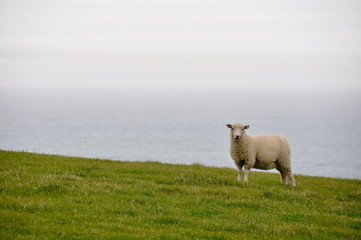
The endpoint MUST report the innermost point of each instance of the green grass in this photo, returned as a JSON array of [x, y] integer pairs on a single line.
[[56, 197]]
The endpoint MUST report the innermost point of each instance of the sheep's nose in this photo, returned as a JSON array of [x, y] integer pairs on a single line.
[[236, 137]]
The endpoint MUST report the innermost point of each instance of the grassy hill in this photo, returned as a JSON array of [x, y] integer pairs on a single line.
[[56, 197]]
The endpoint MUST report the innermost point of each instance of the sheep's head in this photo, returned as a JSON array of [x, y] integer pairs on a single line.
[[237, 130]]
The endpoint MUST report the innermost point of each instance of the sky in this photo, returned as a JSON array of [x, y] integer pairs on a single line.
[[186, 37]]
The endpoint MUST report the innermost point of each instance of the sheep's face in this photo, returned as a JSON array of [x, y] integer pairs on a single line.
[[237, 130]]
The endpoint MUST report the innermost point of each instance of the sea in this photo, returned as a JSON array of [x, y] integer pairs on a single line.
[[184, 126]]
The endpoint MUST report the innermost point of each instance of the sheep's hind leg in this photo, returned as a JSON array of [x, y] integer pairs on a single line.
[[283, 178], [283, 175], [291, 179]]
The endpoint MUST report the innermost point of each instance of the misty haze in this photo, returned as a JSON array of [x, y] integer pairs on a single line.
[[140, 80]]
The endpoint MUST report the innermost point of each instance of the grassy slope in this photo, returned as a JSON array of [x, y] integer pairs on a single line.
[[47, 196]]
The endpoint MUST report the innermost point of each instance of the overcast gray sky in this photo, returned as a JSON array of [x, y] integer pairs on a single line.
[[254, 28]]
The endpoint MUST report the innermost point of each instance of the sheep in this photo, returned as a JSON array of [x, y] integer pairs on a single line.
[[260, 152]]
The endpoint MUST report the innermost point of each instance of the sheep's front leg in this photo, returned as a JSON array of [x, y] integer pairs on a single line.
[[239, 165], [246, 171]]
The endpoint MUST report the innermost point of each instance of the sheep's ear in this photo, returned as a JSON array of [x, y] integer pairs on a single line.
[[229, 125], [246, 127]]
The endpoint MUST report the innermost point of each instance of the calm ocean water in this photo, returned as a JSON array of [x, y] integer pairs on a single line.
[[186, 127]]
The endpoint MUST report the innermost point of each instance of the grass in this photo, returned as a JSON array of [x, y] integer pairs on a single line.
[[56, 197]]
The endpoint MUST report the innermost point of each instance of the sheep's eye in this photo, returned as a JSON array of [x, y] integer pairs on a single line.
[[233, 128]]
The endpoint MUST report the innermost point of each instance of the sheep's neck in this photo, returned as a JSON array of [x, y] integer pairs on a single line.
[[239, 150]]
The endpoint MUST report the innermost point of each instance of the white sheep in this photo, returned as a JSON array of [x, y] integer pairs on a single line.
[[261, 152]]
